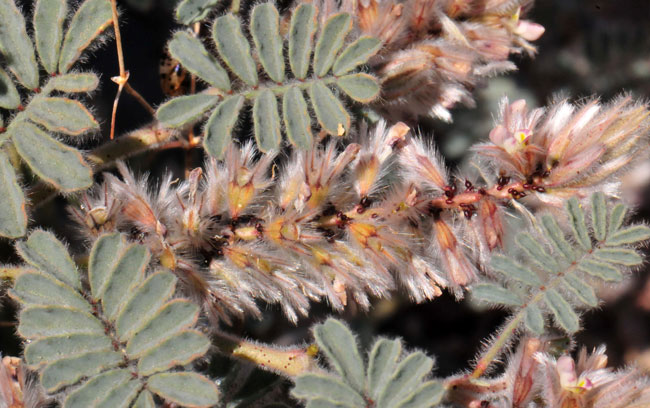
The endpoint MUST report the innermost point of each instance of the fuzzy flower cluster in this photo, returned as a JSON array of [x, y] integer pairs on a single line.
[[348, 224], [436, 51], [536, 377]]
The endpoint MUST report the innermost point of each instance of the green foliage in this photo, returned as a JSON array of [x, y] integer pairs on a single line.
[[115, 342], [33, 128], [392, 378], [559, 274], [192, 11], [330, 68]]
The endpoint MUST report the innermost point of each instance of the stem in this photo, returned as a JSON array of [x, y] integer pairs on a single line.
[[290, 362], [501, 341], [123, 78], [139, 98], [506, 333], [131, 144]]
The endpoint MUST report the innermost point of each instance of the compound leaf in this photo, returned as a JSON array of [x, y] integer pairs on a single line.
[[72, 335]]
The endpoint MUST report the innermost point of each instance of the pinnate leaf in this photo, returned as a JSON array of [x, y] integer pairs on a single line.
[[72, 333]]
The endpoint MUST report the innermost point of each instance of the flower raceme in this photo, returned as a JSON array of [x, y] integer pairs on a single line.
[[345, 225], [436, 51]]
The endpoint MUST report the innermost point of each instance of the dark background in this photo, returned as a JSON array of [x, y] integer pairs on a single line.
[[589, 48]]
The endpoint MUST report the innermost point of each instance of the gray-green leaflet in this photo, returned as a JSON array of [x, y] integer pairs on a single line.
[[558, 274], [118, 340], [53, 109], [256, 74]]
